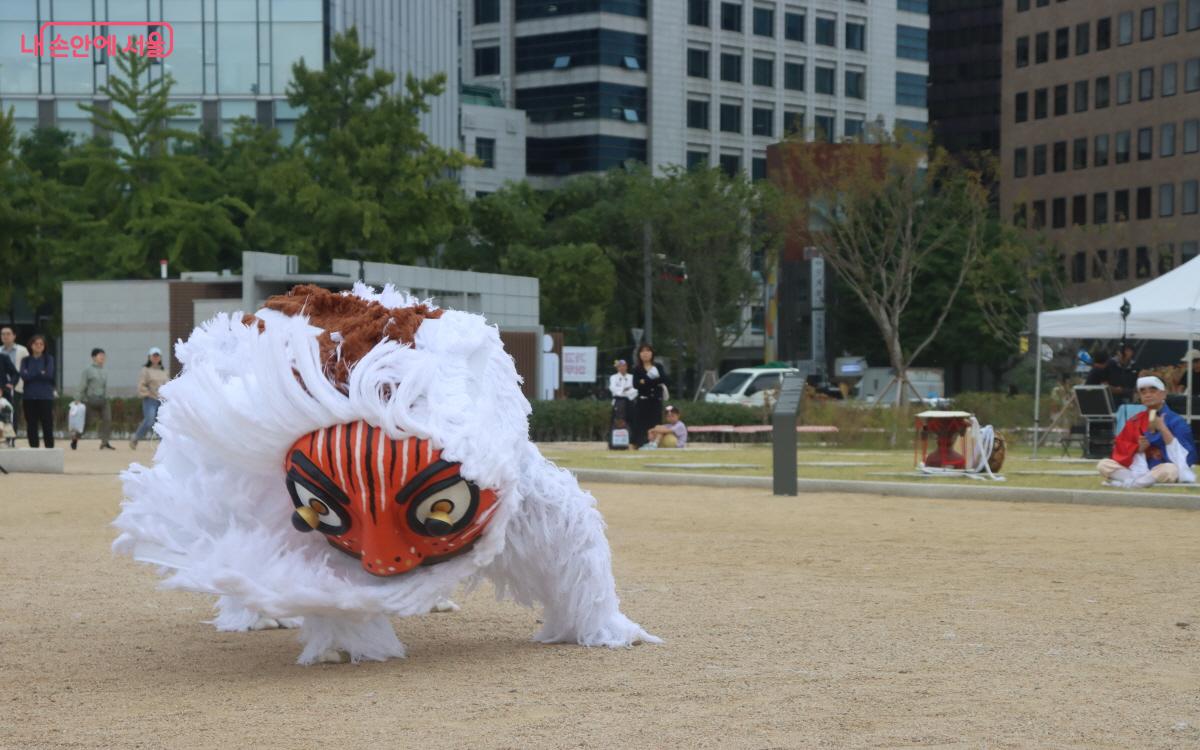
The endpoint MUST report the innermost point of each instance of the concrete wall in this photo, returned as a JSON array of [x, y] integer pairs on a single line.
[[125, 318], [507, 128]]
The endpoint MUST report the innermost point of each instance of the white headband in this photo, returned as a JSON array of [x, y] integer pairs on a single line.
[[1151, 382]]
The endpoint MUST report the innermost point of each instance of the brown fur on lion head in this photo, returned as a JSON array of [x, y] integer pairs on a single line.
[[361, 323]]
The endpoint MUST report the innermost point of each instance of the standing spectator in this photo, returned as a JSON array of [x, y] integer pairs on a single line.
[[9, 377], [37, 371], [154, 375], [650, 381], [620, 385], [93, 390], [16, 354]]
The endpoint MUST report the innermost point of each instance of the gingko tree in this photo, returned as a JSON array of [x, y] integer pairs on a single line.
[[885, 215]]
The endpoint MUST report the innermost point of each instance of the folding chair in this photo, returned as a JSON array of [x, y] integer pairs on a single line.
[[1096, 407]]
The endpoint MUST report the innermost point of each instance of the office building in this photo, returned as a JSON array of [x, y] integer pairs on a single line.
[[689, 82], [1101, 135], [965, 65]]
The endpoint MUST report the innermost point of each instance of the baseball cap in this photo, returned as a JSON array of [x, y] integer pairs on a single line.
[[1191, 354], [672, 408], [154, 350]]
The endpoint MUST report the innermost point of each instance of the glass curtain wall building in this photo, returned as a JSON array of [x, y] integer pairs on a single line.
[[229, 58]]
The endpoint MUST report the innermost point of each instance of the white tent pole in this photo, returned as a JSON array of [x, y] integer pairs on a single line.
[[1190, 393], [1037, 392]]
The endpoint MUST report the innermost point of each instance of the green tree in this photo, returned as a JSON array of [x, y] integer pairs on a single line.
[[575, 283], [136, 186], [884, 217], [378, 186]]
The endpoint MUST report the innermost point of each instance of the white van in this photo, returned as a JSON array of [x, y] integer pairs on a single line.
[[747, 386]]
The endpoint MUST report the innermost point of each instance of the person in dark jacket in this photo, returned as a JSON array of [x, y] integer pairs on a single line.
[[650, 380], [9, 377], [37, 371]]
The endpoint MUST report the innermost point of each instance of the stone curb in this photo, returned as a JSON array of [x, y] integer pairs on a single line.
[[908, 489]]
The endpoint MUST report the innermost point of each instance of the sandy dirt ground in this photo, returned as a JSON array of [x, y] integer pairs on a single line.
[[819, 621]]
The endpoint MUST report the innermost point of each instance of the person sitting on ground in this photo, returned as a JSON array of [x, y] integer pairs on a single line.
[[673, 434], [1154, 446]]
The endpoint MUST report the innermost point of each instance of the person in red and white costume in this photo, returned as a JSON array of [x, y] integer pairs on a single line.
[[1154, 446]]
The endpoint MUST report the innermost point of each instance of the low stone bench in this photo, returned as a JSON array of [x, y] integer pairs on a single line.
[[32, 460]]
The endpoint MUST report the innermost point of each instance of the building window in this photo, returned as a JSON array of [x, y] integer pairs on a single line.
[[758, 171], [731, 18], [1081, 96], [582, 101], [1079, 148], [1039, 160], [485, 151], [1079, 210], [731, 164], [1100, 265], [1100, 152], [731, 67], [1020, 162], [1121, 271], [697, 159], [1141, 263], [1062, 43], [913, 6], [1166, 199], [731, 118], [1060, 100], [793, 27], [575, 154], [764, 72], [1041, 47], [1020, 216], [697, 63], [1060, 156], [912, 43], [1124, 87], [487, 11], [697, 115], [1166, 258], [487, 61], [1022, 51], [1122, 148], [1103, 34], [1193, 15], [824, 82], [1102, 91], [910, 90], [853, 128], [1145, 84], [1191, 75], [762, 122], [1145, 144], [1022, 6], [1083, 35], [1148, 20], [1039, 214], [793, 124], [1191, 136], [1079, 268], [1166, 140], [698, 16], [856, 36], [764, 21], [1191, 197], [1058, 213], [1125, 29], [584, 47], [823, 128], [856, 84], [1187, 251], [827, 32], [1170, 73], [1100, 208], [1021, 106], [1040, 104], [1170, 17], [793, 76], [1144, 196]]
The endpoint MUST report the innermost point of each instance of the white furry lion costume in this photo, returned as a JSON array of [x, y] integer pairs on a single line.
[[344, 458]]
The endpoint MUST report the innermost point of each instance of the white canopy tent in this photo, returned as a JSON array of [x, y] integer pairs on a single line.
[[1165, 308]]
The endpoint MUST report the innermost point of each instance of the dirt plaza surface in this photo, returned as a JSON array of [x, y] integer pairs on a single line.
[[817, 621]]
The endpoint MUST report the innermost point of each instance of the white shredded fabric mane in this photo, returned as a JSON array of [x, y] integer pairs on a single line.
[[213, 511]]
